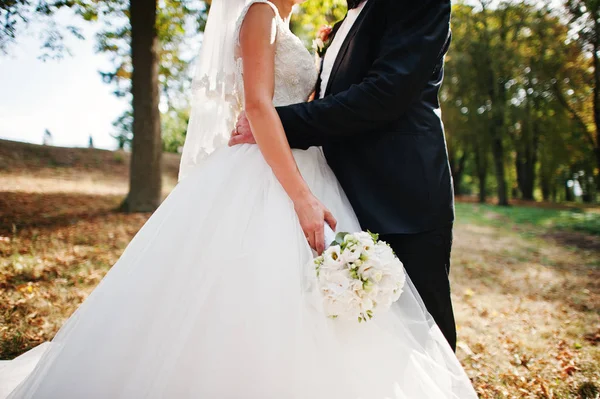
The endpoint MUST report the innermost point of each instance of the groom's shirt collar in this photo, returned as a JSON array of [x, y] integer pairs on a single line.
[[336, 45]]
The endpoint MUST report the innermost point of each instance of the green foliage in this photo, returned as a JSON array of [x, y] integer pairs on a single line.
[[521, 99], [179, 23], [174, 127], [516, 79], [124, 126], [312, 15]]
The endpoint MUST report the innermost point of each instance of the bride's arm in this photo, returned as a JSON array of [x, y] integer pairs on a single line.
[[257, 44], [415, 39]]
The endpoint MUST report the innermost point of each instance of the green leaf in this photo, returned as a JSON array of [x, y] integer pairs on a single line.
[[374, 236], [339, 238]]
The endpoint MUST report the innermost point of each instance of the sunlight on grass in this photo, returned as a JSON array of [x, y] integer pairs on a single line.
[[527, 302], [587, 221]]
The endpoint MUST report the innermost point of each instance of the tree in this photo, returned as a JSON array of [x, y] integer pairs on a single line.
[[313, 15], [540, 54], [479, 67], [16, 15], [585, 17], [178, 24], [145, 180], [174, 127], [132, 32], [155, 70], [524, 125], [466, 104]]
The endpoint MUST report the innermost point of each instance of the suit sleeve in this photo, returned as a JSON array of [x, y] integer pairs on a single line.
[[414, 39]]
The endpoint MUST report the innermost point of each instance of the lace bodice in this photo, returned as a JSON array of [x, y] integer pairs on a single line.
[[295, 71]]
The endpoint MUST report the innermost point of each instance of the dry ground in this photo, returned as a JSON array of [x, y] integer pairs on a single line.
[[527, 297]]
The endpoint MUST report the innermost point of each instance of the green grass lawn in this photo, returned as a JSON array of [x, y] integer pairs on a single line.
[[571, 219]]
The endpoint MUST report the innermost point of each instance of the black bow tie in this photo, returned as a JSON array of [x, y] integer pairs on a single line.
[[353, 4]]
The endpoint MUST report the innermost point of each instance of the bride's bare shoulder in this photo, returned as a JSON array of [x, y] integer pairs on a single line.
[[257, 16], [259, 21]]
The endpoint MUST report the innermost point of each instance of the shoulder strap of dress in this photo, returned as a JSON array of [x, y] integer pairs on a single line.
[[242, 16]]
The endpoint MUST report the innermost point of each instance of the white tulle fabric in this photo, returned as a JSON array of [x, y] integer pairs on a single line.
[[215, 102], [211, 300]]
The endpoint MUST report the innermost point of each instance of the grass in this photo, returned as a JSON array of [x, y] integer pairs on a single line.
[[526, 279], [566, 219]]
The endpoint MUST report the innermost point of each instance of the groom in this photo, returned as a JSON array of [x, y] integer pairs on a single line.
[[377, 117]]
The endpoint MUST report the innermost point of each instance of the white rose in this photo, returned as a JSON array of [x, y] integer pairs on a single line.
[[384, 253], [387, 284], [357, 286], [351, 254], [365, 239], [332, 258], [345, 306], [337, 282], [374, 275], [375, 293], [365, 267], [376, 262], [367, 304], [371, 270]]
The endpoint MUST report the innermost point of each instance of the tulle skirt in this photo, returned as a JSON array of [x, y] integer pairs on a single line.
[[212, 300]]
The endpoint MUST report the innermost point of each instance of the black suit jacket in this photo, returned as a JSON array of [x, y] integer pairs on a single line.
[[379, 123]]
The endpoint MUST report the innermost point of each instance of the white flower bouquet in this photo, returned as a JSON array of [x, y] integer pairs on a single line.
[[359, 276]]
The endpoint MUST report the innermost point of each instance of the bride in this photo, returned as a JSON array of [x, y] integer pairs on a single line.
[[211, 299]]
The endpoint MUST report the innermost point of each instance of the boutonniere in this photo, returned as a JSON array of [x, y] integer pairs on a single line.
[[323, 40]]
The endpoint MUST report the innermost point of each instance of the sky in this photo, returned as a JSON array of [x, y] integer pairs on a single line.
[[66, 96]]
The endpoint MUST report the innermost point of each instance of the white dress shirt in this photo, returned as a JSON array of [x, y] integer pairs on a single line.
[[336, 45]]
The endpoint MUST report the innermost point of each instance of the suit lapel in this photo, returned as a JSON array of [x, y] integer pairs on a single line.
[[346, 44], [336, 27]]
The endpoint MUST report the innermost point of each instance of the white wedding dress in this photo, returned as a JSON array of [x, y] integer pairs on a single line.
[[212, 298]]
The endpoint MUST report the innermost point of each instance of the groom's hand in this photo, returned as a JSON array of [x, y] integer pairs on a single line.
[[242, 133]]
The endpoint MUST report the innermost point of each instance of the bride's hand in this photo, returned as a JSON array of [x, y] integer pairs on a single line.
[[313, 215]]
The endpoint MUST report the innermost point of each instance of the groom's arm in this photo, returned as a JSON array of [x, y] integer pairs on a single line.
[[415, 36]]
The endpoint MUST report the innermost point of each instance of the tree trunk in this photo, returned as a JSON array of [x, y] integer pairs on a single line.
[[457, 168], [497, 93], [526, 160], [597, 97], [498, 154], [527, 148], [482, 184], [481, 165], [497, 130], [546, 191], [145, 180]]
